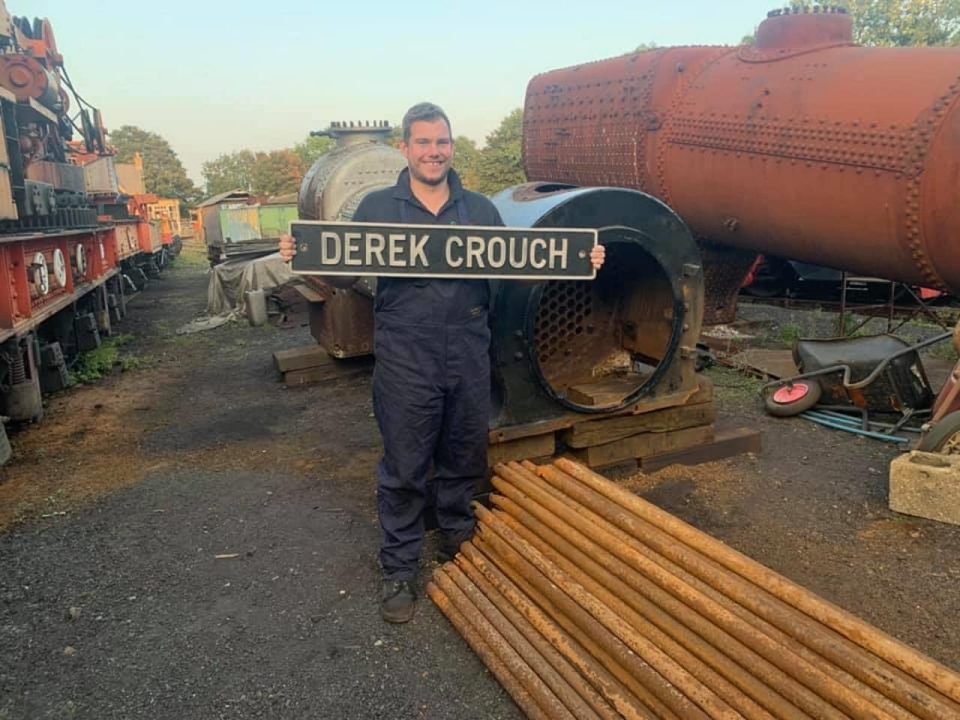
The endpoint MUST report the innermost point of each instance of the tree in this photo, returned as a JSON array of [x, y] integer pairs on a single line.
[[643, 47], [903, 22], [232, 171], [396, 136], [500, 163], [465, 159], [163, 173], [277, 173], [312, 148]]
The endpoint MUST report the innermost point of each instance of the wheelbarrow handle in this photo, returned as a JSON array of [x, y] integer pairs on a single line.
[[846, 368]]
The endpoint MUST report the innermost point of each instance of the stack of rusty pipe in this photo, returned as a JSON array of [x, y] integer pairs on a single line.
[[587, 602]]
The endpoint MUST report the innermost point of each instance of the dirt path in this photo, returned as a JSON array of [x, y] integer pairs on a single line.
[[114, 603]]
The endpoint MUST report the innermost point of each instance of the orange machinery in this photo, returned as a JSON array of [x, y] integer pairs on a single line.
[[59, 266]]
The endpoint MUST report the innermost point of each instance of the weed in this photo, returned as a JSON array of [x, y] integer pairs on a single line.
[[790, 333], [733, 385], [93, 365]]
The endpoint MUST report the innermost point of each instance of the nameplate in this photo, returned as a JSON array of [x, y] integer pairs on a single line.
[[442, 251]]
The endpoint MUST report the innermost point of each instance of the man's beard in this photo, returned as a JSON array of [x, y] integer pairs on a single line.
[[433, 182]]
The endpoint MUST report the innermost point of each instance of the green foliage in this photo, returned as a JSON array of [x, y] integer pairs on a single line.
[[465, 160], [500, 164], [643, 47], [163, 173], [312, 148], [790, 333], [902, 23], [232, 171], [93, 365], [277, 172], [396, 136], [944, 351]]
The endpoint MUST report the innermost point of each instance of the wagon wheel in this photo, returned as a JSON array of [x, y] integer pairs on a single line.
[[793, 398], [944, 437]]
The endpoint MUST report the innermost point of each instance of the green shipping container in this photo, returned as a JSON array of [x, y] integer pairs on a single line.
[[276, 219], [239, 223]]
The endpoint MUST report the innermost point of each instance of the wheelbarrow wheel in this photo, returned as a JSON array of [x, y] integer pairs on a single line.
[[793, 398], [944, 437]]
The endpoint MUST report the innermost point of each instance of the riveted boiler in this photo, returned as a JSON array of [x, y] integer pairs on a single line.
[[803, 145]]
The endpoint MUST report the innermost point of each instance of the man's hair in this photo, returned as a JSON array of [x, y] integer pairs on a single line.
[[423, 112]]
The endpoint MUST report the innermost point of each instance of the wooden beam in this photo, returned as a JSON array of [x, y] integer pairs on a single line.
[[334, 370], [703, 393], [598, 432], [608, 391], [538, 446], [644, 445], [726, 444], [301, 358]]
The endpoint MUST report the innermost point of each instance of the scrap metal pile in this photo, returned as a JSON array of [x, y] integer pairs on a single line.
[[586, 601]]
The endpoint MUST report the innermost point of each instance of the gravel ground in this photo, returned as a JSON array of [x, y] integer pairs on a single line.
[[115, 604]]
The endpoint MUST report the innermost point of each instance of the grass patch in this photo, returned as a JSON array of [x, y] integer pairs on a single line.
[[734, 386], [93, 365], [191, 257], [944, 350]]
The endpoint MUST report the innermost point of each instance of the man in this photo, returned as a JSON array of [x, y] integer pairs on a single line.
[[431, 381]]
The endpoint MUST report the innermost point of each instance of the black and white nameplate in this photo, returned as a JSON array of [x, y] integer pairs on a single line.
[[442, 251]]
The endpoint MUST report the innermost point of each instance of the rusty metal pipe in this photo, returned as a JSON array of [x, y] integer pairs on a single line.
[[739, 688], [871, 694], [646, 702], [518, 665], [842, 697], [537, 636], [671, 683], [496, 666], [584, 659], [779, 671], [800, 630], [528, 651], [901, 656]]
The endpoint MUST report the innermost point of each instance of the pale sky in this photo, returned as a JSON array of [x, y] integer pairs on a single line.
[[215, 77]]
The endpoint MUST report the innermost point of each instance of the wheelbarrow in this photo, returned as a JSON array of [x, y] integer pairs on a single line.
[[863, 375]]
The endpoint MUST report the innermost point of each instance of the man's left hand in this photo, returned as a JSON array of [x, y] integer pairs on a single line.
[[597, 256]]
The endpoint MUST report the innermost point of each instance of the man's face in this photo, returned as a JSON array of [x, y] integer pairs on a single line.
[[429, 151]]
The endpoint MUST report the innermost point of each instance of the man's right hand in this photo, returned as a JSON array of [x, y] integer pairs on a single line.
[[288, 247]]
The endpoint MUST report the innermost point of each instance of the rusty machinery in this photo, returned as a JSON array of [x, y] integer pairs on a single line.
[[803, 145], [634, 329], [59, 264]]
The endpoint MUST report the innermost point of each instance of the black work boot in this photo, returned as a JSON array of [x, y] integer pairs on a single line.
[[449, 547], [397, 601]]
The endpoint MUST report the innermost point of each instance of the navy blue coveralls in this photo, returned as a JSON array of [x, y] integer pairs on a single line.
[[431, 384]]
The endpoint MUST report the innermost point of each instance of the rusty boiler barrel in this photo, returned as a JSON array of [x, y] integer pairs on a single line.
[[803, 145]]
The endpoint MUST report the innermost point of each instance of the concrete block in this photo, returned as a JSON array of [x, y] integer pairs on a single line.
[[88, 335], [926, 485]]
